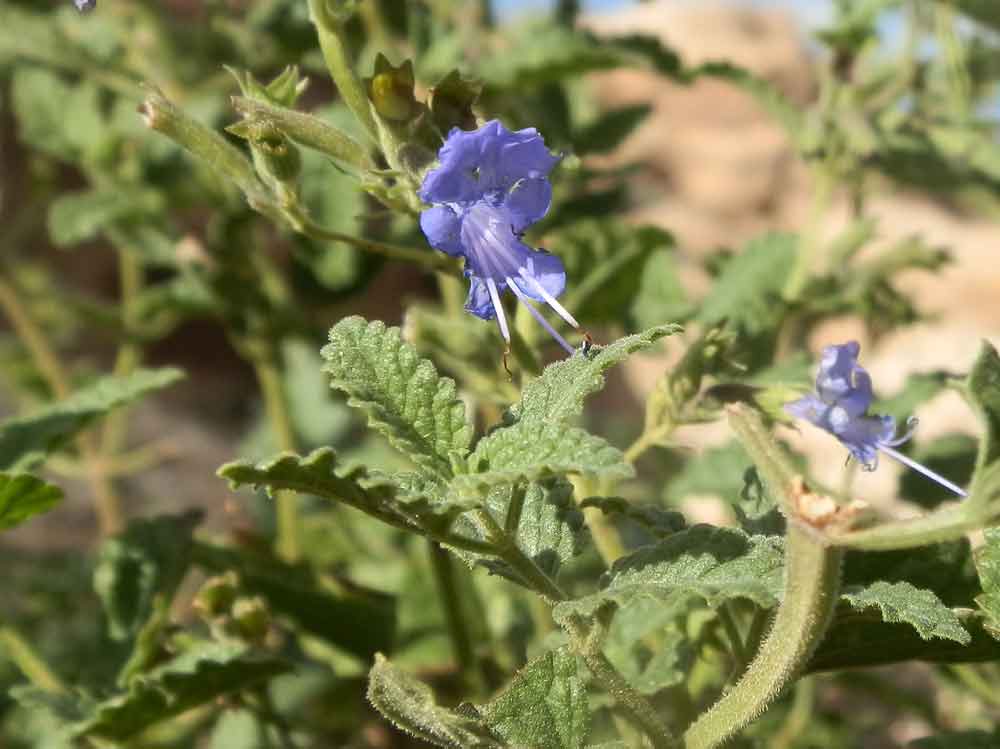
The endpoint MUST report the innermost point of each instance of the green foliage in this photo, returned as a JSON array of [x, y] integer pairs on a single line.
[[902, 602], [409, 705], [402, 395], [545, 705], [747, 291], [205, 671], [150, 558], [988, 565], [26, 441], [23, 496]]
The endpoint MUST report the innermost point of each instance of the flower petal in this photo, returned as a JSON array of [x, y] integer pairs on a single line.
[[547, 270], [810, 408], [527, 201], [478, 301], [443, 229], [863, 435]]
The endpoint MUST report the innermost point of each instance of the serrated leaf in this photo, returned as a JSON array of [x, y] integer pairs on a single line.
[[23, 496], [200, 675], [26, 441], [750, 284], [358, 621], [559, 392], [714, 563], [542, 521], [984, 391], [902, 602], [655, 520], [149, 558], [410, 502], [545, 705], [988, 567], [403, 396], [80, 216], [531, 450], [409, 705]]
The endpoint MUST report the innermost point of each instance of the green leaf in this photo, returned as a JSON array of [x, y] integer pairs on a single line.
[[23, 496], [545, 705], [27, 440], [984, 392], [605, 258], [403, 396], [58, 119], [610, 129], [660, 296], [151, 557], [641, 622], [541, 519], [748, 290], [411, 502], [559, 392], [531, 450], [988, 567], [353, 619], [409, 705], [920, 608], [654, 520], [714, 563], [200, 675], [80, 216]]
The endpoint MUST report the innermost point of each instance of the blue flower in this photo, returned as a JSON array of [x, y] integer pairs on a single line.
[[492, 184], [840, 406]]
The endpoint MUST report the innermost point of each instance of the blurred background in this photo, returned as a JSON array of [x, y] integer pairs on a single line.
[[708, 164]]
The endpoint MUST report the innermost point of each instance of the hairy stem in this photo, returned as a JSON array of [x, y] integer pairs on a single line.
[[812, 585]]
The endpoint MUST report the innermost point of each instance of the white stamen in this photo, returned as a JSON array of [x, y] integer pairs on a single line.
[[550, 300], [921, 469], [498, 309], [538, 316]]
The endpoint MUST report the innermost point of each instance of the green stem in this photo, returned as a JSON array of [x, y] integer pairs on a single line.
[[943, 525], [649, 438], [288, 545], [426, 257], [505, 547], [812, 585], [338, 62], [455, 620], [589, 644], [28, 661], [107, 504], [809, 245]]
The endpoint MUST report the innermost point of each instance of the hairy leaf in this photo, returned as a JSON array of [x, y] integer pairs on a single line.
[[544, 706], [984, 392], [746, 291], [409, 705], [714, 563], [902, 602], [403, 396], [558, 394], [988, 566], [23, 496], [26, 441], [151, 557], [532, 450], [407, 501], [201, 674]]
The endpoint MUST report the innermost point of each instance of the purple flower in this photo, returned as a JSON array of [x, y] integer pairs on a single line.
[[840, 406], [492, 184]]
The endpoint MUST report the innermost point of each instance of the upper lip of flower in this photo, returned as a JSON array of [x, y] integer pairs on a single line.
[[840, 406], [492, 184]]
